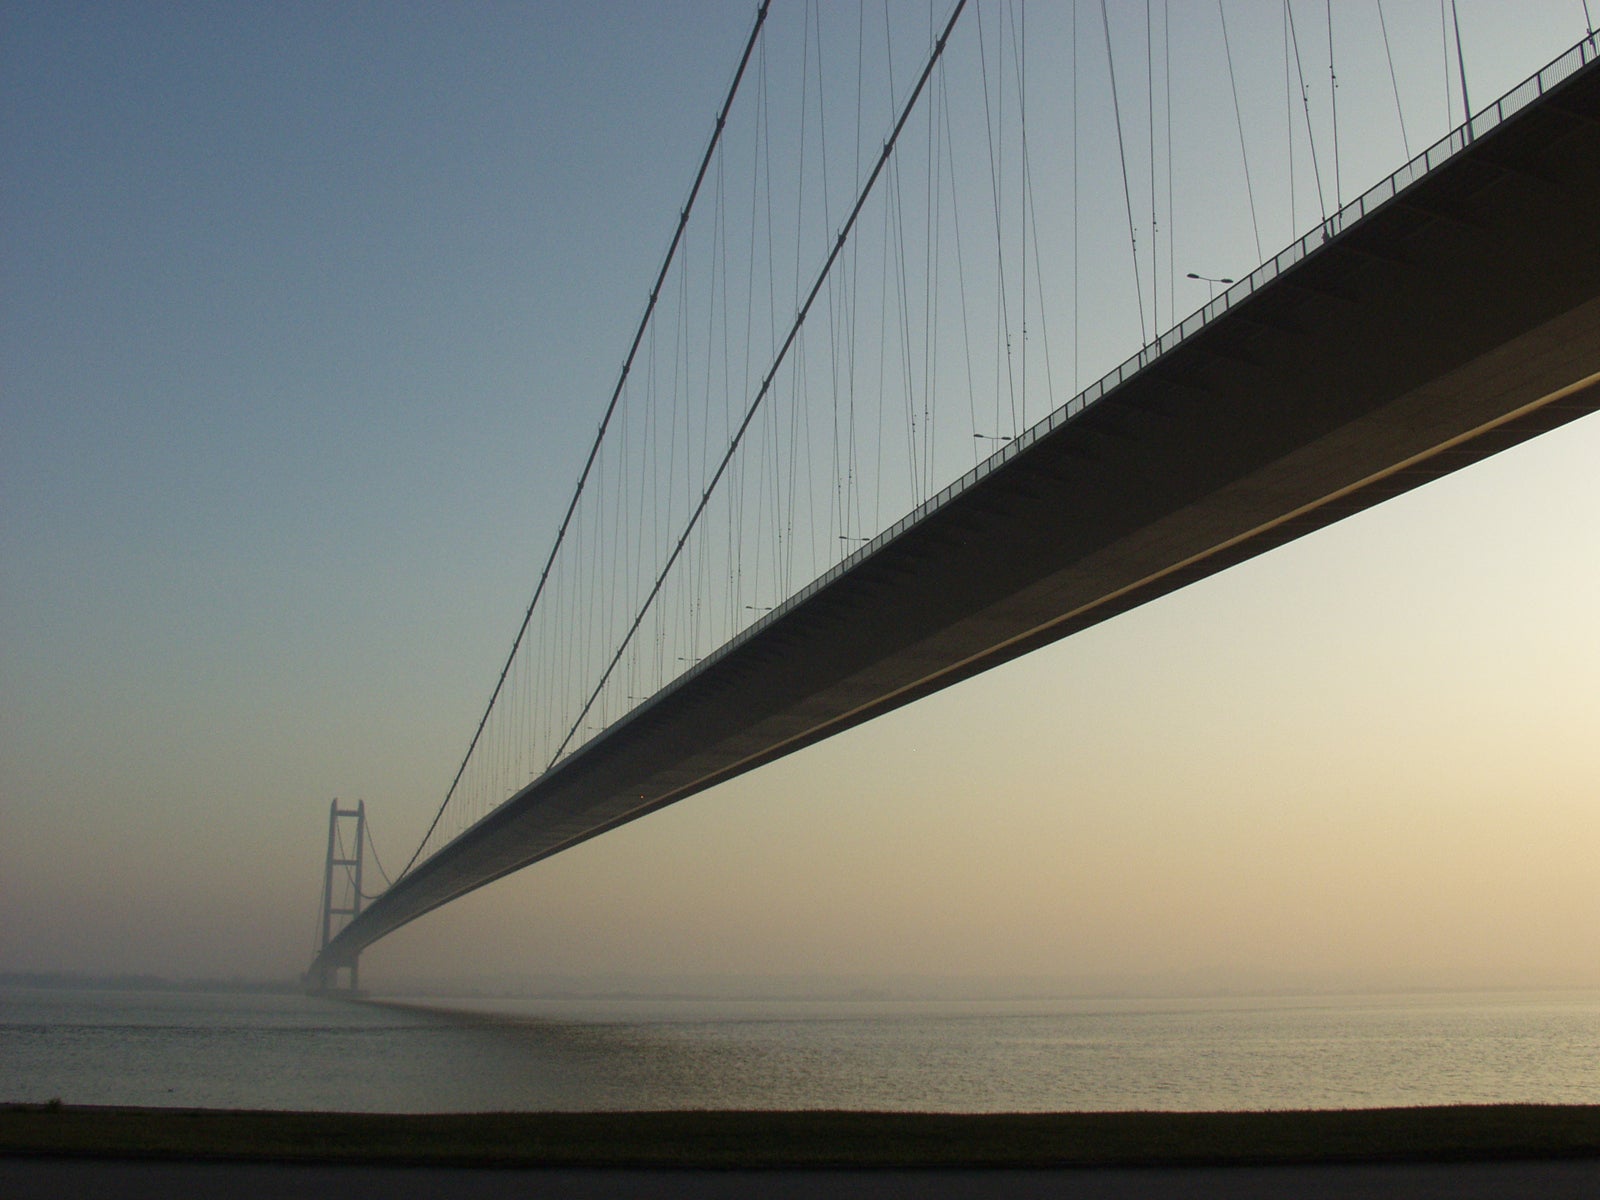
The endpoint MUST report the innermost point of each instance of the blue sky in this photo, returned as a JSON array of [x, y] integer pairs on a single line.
[[309, 314]]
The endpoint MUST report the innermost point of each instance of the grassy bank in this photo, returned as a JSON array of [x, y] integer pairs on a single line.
[[800, 1139]]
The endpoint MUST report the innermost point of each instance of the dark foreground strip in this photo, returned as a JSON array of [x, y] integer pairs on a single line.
[[810, 1139]]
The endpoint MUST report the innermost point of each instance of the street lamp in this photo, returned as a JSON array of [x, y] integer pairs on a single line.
[[1211, 282]]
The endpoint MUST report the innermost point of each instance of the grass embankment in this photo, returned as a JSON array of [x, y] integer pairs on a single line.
[[810, 1139]]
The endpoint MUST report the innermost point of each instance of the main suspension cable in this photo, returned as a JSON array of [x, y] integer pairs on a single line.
[[366, 827], [605, 421]]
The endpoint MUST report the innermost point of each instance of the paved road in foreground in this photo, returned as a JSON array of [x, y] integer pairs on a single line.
[[89, 1179]]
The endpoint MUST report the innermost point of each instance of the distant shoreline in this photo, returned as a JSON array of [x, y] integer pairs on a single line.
[[809, 1139], [777, 989], [70, 981]]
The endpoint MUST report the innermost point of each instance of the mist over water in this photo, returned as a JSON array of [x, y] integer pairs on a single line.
[[299, 1052]]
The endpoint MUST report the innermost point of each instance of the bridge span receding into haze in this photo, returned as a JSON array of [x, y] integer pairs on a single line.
[[1451, 312]]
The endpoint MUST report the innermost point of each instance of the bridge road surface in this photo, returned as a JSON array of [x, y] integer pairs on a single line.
[[1454, 320], [94, 1179]]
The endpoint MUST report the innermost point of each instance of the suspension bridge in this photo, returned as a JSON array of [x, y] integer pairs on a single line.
[[850, 458]]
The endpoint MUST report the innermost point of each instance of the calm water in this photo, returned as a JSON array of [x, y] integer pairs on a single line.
[[263, 1051]]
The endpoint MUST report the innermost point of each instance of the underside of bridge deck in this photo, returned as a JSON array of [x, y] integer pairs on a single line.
[[1454, 321]]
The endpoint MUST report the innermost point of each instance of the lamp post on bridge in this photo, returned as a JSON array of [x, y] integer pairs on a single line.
[[1211, 282]]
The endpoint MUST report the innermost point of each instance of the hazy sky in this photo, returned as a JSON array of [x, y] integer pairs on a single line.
[[308, 315]]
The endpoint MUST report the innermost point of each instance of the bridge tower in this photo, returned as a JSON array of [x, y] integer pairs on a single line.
[[341, 856]]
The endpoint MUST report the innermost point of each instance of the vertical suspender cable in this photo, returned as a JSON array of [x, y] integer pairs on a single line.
[[1075, 284], [1150, 113], [1172, 221], [1444, 53], [1461, 62], [1122, 154], [1394, 82], [1305, 101], [1333, 105], [1238, 118], [1288, 121]]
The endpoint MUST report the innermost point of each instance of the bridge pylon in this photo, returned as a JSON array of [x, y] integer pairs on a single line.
[[347, 858]]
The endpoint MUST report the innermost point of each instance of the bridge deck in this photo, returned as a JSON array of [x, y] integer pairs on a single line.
[[1458, 318]]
